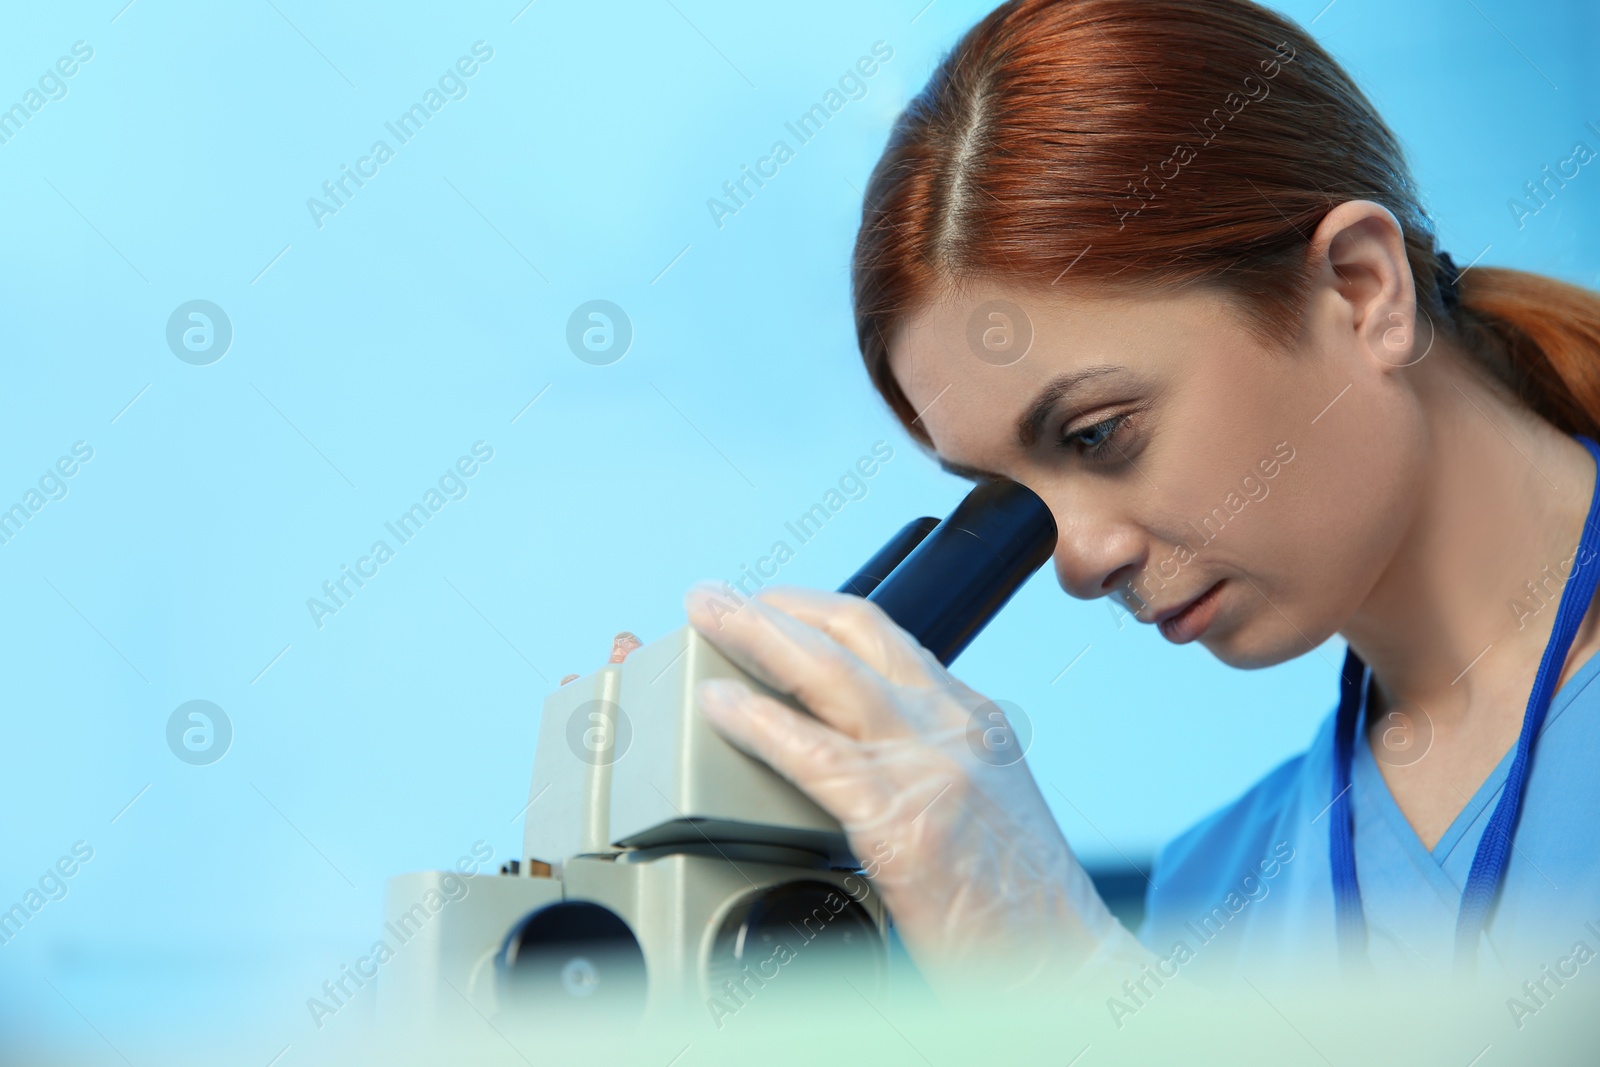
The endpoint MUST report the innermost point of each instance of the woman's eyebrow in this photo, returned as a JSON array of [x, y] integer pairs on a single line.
[[1031, 421]]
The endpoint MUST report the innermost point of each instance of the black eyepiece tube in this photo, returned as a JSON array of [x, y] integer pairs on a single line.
[[887, 558], [962, 573]]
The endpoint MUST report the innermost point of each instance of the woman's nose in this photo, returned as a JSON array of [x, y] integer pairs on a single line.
[[1095, 554]]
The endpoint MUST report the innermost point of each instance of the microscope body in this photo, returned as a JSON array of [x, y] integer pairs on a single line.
[[664, 871]]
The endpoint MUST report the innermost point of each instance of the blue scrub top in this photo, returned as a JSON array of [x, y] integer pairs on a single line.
[[1248, 890]]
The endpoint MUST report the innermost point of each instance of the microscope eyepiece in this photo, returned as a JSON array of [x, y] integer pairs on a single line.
[[887, 558], [959, 575]]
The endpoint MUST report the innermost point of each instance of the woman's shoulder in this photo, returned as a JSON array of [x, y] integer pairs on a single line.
[[1206, 861]]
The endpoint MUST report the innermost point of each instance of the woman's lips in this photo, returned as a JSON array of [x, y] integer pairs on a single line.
[[1192, 620]]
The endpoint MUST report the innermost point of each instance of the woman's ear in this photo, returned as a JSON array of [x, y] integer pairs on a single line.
[[1361, 252]]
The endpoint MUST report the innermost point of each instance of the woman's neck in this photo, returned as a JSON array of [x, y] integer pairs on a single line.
[[1455, 627]]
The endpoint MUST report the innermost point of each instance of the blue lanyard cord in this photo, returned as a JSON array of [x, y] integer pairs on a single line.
[[1350, 923], [1488, 864]]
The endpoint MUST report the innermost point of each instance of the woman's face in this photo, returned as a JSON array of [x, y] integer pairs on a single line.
[[1246, 498]]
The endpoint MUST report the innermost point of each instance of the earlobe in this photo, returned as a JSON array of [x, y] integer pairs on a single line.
[[1409, 342]]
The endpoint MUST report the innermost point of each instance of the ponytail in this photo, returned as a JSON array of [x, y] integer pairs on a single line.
[[1539, 336]]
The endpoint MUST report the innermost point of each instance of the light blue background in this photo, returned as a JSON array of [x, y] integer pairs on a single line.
[[370, 353]]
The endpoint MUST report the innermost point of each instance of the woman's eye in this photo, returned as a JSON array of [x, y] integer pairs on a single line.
[[1097, 440]]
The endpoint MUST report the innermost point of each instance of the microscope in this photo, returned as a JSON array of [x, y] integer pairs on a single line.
[[664, 871]]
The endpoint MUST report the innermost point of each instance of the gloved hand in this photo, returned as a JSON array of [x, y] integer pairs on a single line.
[[979, 879]]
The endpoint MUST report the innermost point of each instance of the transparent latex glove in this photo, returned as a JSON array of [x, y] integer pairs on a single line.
[[983, 888]]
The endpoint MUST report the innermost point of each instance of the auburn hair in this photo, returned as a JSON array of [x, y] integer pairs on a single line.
[[1164, 143]]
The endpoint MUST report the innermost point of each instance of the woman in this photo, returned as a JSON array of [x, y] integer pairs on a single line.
[[1151, 261]]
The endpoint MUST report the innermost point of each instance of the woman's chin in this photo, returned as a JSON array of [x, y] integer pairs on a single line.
[[1256, 643]]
